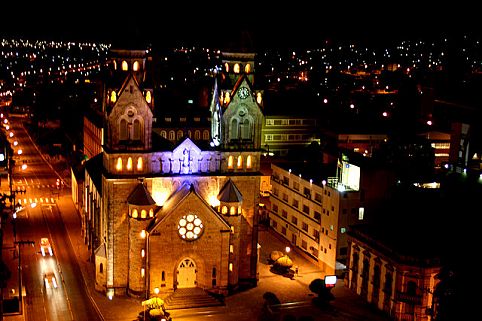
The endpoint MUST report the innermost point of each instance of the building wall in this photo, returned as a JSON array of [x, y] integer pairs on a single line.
[[310, 217], [403, 291], [92, 138]]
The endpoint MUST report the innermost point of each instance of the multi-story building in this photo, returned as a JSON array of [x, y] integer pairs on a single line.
[[312, 207], [383, 273], [163, 217]]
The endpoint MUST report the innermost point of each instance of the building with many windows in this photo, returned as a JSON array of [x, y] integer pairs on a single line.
[[312, 207]]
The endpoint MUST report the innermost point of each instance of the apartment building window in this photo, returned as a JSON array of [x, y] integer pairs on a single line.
[[286, 181], [295, 203], [306, 209], [318, 197], [294, 220], [304, 245], [275, 208], [274, 224], [275, 191], [307, 192], [296, 186], [316, 235], [304, 226], [285, 197], [317, 216], [284, 214], [283, 230]]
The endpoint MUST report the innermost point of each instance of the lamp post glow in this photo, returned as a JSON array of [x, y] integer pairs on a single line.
[[287, 249]]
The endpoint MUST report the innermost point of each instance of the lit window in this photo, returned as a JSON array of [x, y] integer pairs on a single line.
[[231, 267], [230, 162], [232, 210], [236, 69], [240, 162], [247, 68], [115, 64], [232, 229], [134, 213], [118, 166], [190, 227], [227, 98], [113, 97], [143, 272], [224, 210], [361, 213], [139, 164], [259, 98], [135, 66], [125, 66], [231, 248], [148, 97], [239, 209], [129, 164], [143, 214], [343, 230], [143, 234], [248, 162], [151, 213], [226, 66], [143, 253]]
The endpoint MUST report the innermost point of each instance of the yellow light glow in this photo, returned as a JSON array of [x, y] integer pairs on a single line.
[[230, 162], [249, 162], [135, 66], [143, 253], [143, 234], [151, 213], [160, 195], [236, 68], [113, 97], [143, 272], [240, 162], [148, 97], [227, 98], [259, 98], [129, 164], [156, 291], [224, 210], [134, 213], [143, 214], [231, 267], [213, 201], [115, 64], [118, 166], [232, 210], [231, 248], [139, 164], [247, 68], [125, 66], [226, 66]]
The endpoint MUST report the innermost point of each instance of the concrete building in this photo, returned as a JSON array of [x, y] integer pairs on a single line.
[[312, 207], [392, 280]]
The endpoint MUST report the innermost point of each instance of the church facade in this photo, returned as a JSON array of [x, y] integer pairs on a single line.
[[166, 218]]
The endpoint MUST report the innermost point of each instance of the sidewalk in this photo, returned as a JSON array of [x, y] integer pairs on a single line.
[[117, 309]]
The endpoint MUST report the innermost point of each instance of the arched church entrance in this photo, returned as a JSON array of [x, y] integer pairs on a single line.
[[186, 274]]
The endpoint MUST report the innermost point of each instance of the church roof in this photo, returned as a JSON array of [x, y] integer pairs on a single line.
[[94, 168], [140, 196], [101, 251], [175, 200], [230, 193]]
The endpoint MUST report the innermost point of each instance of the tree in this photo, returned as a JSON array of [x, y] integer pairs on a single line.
[[318, 287]]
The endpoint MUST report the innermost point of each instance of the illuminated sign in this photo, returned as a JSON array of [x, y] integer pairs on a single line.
[[330, 281]]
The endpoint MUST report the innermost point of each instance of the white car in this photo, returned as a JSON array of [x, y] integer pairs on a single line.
[[45, 246], [50, 280]]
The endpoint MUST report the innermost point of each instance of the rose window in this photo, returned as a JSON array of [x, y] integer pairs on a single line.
[[190, 227]]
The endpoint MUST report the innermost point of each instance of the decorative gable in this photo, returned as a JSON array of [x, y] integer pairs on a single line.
[[130, 120], [188, 155]]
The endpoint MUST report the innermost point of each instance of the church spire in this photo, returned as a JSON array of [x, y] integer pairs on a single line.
[[216, 114]]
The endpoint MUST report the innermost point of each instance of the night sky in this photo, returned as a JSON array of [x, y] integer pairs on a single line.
[[270, 24]]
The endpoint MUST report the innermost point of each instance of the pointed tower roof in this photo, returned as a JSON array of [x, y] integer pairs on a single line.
[[140, 196], [230, 193]]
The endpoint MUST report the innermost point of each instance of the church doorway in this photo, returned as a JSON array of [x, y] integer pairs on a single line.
[[186, 274]]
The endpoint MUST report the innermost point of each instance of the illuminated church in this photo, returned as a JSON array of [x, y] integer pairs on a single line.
[[162, 218]]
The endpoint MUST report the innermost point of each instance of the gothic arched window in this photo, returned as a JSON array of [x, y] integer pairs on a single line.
[[172, 135], [135, 66], [137, 130], [234, 129], [125, 66], [123, 130], [245, 129], [197, 135]]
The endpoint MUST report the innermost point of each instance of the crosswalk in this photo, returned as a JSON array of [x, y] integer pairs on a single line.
[[37, 200], [39, 194]]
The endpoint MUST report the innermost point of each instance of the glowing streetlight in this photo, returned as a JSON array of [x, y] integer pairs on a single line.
[[287, 249]]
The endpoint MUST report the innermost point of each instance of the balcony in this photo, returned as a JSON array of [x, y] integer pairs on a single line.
[[409, 298]]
